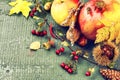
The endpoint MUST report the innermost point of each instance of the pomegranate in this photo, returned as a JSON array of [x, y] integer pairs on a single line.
[[92, 13]]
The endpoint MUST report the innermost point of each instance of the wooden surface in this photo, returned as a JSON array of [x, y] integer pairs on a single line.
[[18, 63]]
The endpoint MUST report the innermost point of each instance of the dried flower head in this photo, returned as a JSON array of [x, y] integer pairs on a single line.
[[105, 53]]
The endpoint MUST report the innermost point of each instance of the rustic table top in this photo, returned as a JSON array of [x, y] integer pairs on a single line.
[[18, 63]]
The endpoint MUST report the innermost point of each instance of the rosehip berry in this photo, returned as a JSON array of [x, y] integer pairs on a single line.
[[41, 33], [70, 70], [34, 10], [62, 65], [57, 52], [31, 14], [33, 32], [38, 33], [73, 53], [44, 32], [66, 67], [82, 41], [88, 73], [62, 49], [76, 57]]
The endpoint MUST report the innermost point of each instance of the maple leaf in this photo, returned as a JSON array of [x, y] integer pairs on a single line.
[[111, 30], [20, 6], [109, 33]]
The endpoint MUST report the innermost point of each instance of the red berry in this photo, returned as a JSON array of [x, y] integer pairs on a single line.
[[38, 33], [62, 65], [33, 32], [73, 53], [88, 73], [41, 33], [66, 67], [62, 49], [57, 52], [70, 70], [34, 10], [31, 14], [76, 57], [82, 41], [44, 32]]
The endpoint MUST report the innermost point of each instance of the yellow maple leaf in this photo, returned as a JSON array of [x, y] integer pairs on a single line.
[[109, 33], [22, 6], [112, 33], [117, 41], [102, 34], [111, 20]]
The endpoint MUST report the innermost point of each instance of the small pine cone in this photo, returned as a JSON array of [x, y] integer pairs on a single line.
[[110, 74], [103, 59]]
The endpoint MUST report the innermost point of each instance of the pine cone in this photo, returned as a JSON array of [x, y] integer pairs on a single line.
[[110, 74]]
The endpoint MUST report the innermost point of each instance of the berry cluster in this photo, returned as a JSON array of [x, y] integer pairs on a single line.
[[67, 67], [39, 33], [33, 11], [59, 51], [75, 55]]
